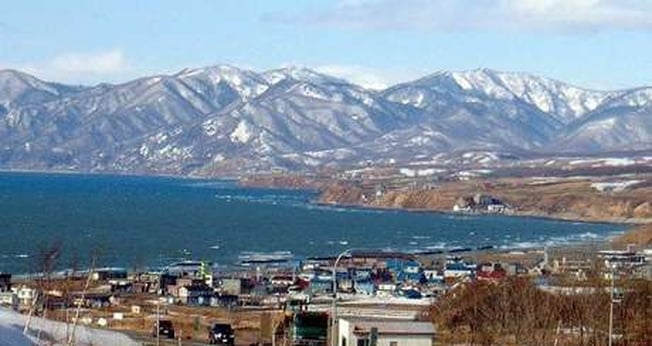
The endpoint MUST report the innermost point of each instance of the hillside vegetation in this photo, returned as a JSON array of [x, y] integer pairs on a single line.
[[576, 199]]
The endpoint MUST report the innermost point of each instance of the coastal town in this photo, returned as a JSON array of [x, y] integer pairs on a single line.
[[483, 294], [357, 297], [362, 296], [326, 173]]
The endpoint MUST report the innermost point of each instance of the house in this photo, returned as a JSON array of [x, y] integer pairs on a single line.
[[147, 282], [491, 273], [195, 294], [26, 295], [362, 274], [106, 274], [282, 280], [365, 287], [361, 332], [480, 203], [621, 259], [175, 290], [432, 275], [386, 290], [231, 286], [457, 268], [410, 293], [9, 299], [91, 300], [165, 281], [412, 273], [319, 285], [224, 300], [481, 199]]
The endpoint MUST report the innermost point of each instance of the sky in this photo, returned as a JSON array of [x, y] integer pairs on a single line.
[[599, 44]]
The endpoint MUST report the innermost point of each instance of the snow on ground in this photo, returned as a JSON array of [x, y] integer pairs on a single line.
[[242, 133], [375, 300], [408, 172], [615, 186], [52, 333], [610, 161]]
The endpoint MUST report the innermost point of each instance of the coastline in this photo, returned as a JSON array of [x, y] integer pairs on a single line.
[[240, 181], [632, 231], [631, 224], [608, 220]]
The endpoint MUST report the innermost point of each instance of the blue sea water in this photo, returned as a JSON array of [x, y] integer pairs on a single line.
[[132, 221]]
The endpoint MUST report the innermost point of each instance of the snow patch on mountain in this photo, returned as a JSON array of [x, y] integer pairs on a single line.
[[223, 117], [243, 133]]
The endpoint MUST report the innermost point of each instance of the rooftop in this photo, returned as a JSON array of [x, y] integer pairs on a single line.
[[392, 327]]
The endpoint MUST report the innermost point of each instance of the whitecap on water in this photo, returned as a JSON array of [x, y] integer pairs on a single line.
[[437, 246], [265, 256], [589, 235], [20, 255], [420, 237]]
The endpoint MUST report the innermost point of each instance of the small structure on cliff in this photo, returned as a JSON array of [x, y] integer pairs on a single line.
[[481, 203]]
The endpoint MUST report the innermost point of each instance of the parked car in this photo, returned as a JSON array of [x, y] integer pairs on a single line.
[[221, 334], [165, 329]]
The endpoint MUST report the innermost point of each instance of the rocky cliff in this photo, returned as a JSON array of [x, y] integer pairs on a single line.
[[566, 199]]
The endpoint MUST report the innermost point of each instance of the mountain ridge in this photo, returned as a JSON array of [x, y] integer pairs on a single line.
[[223, 119]]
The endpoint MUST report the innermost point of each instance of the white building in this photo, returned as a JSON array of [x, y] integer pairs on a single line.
[[25, 295], [358, 332], [9, 299]]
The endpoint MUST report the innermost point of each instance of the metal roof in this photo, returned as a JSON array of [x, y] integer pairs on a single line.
[[392, 327]]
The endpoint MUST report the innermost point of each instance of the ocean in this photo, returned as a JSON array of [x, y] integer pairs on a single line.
[[138, 222]]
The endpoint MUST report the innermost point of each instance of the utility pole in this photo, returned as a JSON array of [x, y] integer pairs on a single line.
[[334, 303], [158, 322], [611, 304]]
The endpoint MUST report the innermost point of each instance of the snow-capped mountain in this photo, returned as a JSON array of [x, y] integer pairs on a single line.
[[223, 119]]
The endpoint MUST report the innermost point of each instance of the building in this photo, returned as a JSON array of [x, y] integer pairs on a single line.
[[25, 295], [9, 299], [360, 332], [195, 294], [231, 286], [106, 274], [365, 287], [481, 203], [456, 268]]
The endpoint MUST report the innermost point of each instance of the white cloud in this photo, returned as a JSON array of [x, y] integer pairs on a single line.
[[556, 15], [362, 76], [108, 62], [75, 67]]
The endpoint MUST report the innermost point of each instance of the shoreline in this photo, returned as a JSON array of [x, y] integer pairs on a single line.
[[628, 225], [238, 180], [634, 222]]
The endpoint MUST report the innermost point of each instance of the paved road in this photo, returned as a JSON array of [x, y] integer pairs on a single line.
[[148, 340]]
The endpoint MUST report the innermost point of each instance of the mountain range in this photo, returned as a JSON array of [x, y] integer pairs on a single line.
[[224, 120]]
